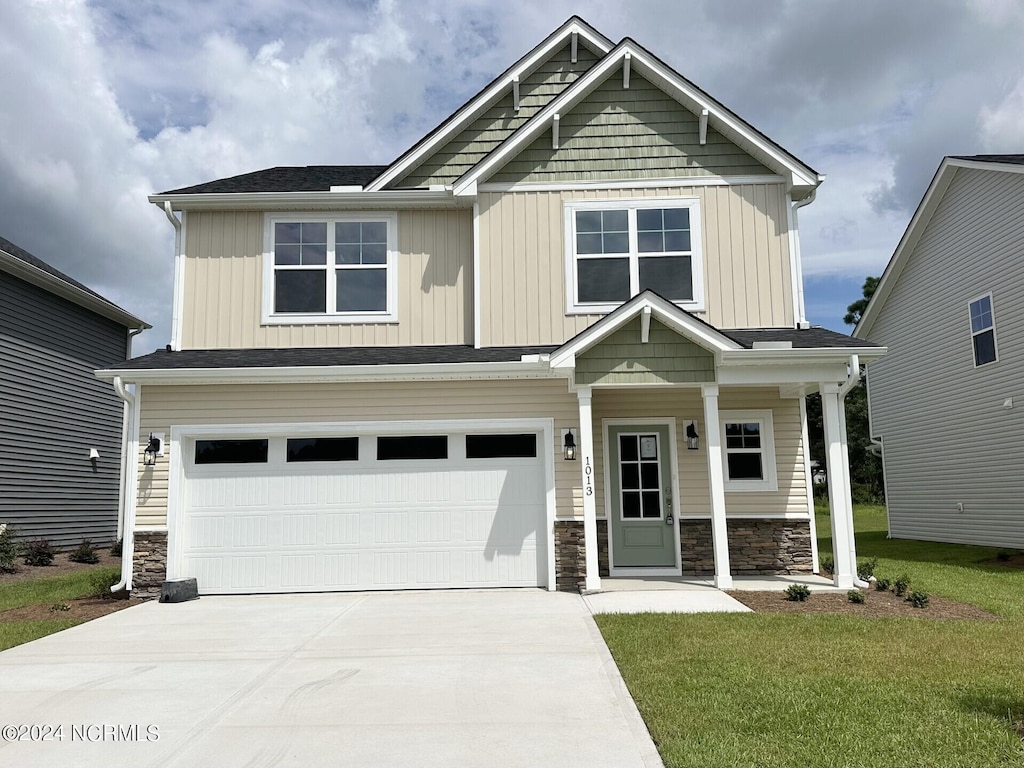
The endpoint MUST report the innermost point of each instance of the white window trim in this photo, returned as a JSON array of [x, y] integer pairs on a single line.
[[764, 418], [389, 315], [632, 204], [970, 326]]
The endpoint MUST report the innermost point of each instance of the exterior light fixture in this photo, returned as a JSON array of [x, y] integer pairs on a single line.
[[692, 438], [569, 445], [152, 449]]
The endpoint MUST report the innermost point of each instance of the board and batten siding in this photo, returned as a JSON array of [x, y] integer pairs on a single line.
[[53, 410], [501, 120], [746, 261], [623, 358], [948, 438], [167, 406], [617, 133], [224, 282], [686, 405]]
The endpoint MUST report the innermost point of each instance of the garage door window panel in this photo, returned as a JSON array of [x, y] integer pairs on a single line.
[[501, 446], [412, 448], [309, 449], [231, 451]]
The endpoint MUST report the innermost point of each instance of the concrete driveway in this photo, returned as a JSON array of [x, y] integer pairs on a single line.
[[453, 678]]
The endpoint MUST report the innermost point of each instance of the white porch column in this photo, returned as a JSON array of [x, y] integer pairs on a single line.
[[716, 484], [587, 470], [839, 499]]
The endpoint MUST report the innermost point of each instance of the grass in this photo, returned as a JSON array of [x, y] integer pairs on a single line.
[[46, 591], [828, 690]]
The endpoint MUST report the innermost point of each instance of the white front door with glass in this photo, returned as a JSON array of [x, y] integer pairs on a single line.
[[642, 516]]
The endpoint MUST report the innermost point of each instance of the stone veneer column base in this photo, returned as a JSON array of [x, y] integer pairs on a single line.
[[756, 547], [149, 563], [570, 556]]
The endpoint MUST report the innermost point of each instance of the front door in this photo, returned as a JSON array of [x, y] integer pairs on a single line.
[[643, 533]]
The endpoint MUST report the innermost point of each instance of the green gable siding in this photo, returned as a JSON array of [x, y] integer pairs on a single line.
[[634, 133], [666, 358], [501, 120]]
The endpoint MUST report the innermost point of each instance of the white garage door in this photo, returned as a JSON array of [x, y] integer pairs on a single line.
[[350, 512]]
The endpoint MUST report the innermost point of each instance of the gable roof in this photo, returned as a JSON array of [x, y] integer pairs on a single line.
[[309, 178], [23, 265], [947, 170], [489, 94], [801, 176]]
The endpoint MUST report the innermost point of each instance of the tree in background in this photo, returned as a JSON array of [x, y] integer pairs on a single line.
[[865, 467]]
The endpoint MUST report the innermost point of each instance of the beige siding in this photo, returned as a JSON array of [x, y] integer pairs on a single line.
[[666, 358], [686, 405], [747, 273], [501, 120], [164, 407], [224, 283], [634, 133]]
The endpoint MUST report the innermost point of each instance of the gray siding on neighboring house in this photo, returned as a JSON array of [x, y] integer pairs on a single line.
[[948, 438], [52, 411]]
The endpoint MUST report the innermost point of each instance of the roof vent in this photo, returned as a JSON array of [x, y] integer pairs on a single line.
[[773, 345]]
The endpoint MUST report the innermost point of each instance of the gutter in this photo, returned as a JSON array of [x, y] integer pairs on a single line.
[[129, 483], [299, 200]]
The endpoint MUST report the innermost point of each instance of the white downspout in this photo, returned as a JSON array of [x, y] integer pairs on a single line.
[[851, 381], [125, 418], [129, 479], [800, 309], [179, 277]]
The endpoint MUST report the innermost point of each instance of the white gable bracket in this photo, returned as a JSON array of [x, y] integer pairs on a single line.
[[515, 93], [703, 126], [645, 325], [554, 130], [573, 46], [626, 61]]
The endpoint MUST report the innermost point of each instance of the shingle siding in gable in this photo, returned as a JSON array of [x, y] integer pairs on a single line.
[[52, 411], [665, 358], [947, 436], [633, 133], [501, 120]]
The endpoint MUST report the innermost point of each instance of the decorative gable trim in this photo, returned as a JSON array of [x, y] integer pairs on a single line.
[[568, 33], [675, 85]]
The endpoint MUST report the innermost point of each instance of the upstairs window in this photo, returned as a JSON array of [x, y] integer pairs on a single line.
[[617, 249], [330, 269], [983, 331]]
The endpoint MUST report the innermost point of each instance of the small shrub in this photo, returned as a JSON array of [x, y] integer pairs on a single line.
[[900, 585], [866, 568], [1004, 557], [39, 552], [9, 550], [59, 607], [855, 596], [828, 564], [918, 599], [797, 593], [882, 585], [115, 548], [101, 581], [85, 553]]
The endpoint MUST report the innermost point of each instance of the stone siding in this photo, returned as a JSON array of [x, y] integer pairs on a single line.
[[570, 556], [149, 563], [756, 547]]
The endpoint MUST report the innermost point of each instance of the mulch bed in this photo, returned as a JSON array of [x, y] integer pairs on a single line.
[[1013, 561], [61, 566], [876, 605]]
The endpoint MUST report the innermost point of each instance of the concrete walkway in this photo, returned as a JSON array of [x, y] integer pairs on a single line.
[[450, 678]]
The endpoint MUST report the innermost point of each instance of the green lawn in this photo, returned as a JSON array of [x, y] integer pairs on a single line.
[[47, 591], [829, 690]]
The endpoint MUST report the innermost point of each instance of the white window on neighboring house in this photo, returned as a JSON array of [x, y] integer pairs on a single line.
[[748, 451], [616, 249], [983, 330], [336, 269]]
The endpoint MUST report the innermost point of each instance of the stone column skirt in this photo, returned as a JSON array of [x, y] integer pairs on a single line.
[[149, 563]]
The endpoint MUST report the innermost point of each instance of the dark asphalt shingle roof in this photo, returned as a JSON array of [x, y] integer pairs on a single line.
[[1012, 159], [308, 178], [22, 255], [801, 338]]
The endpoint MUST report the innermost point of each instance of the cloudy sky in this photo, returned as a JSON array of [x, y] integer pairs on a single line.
[[105, 102]]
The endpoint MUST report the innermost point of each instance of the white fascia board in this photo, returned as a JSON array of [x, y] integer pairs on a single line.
[[676, 86], [406, 198], [476, 106], [330, 373], [800, 355], [40, 278], [810, 373]]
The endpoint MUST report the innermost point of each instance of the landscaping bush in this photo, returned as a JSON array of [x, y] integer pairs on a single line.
[[9, 550], [101, 581], [115, 548], [827, 563], [918, 599], [39, 552], [85, 553], [882, 585], [900, 585], [866, 568], [797, 593], [855, 596]]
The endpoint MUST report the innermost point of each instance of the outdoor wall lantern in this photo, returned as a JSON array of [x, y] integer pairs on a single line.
[[152, 449], [569, 445], [692, 438]]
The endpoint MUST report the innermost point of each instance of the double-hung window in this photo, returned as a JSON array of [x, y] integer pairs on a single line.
[[339, 268], [983, 330], [748, 451], [619, 248]]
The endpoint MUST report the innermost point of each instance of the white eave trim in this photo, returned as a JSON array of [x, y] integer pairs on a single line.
[[531, 367], [40, 278], [813, 354], [677, 87], [311, 200]]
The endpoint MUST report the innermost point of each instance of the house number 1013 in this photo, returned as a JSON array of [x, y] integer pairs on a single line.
[[588, 472]]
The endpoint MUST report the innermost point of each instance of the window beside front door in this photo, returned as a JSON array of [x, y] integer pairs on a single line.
[[748, 451]]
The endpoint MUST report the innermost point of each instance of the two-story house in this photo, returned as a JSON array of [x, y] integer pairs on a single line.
[[562, 337]]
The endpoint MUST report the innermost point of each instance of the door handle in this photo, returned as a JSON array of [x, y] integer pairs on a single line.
[[668, 508]]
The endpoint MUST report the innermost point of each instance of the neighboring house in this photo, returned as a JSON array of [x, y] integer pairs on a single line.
[[61, 430], [562, 336], [946, 403]]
